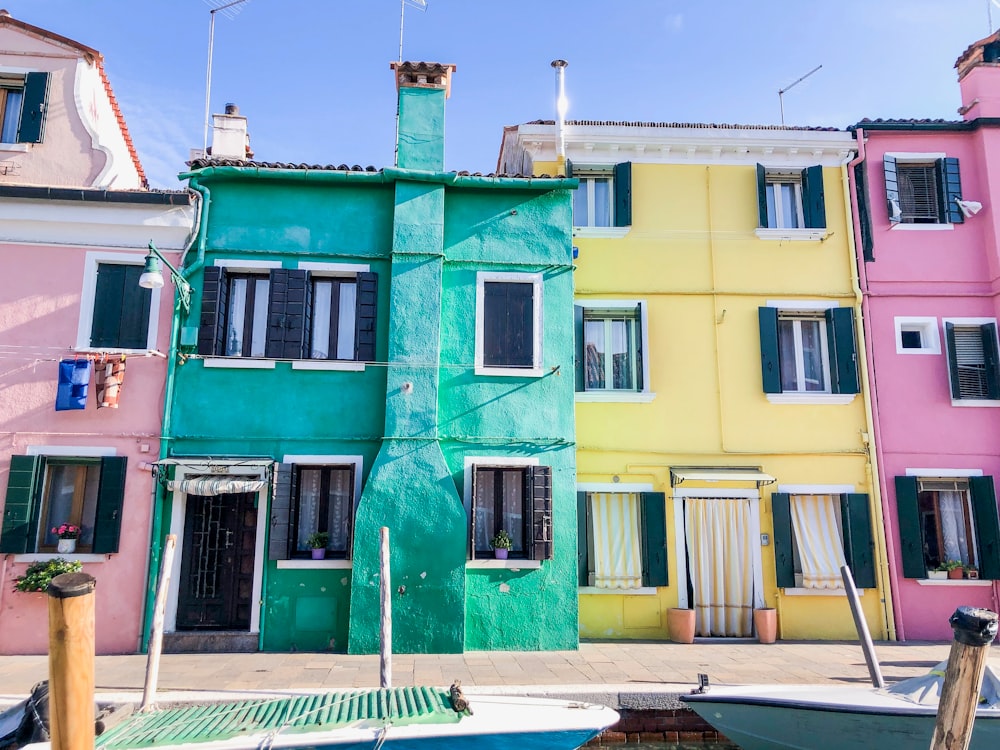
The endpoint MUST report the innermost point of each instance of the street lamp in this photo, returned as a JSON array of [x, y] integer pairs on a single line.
[[152, 276]]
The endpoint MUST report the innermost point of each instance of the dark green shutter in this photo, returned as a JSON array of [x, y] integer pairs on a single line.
[[287, 324], [784, 557], [654, 539], [569, 168], [541, 513], [280, 534], [623, 194], [859, 545], [984, 509], [582, 545], [761, 196], [950, 190], [365, 317], [769, 365], [121, 308], [17, 535], [813, 200], [911, 535], [212, 329], [893, 205], [864, 211], [949, 336], [579, 362], [33, 108], [639, 384], [991, 359], [842, 346], [110, 498]]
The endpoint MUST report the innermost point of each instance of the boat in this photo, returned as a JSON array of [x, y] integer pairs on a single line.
[[407, 718], [833, 717]]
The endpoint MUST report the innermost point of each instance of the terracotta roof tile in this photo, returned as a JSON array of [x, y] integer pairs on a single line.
[[699, 125], [209, 162]]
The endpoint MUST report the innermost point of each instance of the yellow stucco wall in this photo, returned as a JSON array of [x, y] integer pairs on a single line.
[[693, 256]]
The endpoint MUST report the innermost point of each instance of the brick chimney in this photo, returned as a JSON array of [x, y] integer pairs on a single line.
[[979, 78], [422, 88], [230, 139]]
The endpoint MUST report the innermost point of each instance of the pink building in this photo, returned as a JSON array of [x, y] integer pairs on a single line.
[[73, 246], [929, 259]]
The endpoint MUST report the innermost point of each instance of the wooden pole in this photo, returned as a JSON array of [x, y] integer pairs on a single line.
[[975, 629], [156, 635], [861, 625], [385, 631], [71, 661]]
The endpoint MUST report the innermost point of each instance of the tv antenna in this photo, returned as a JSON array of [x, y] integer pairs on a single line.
[[781, 102], [419, 5], [230, 9]]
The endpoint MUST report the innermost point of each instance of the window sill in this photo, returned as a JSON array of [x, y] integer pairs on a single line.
[[829, 399], [601, 233], [46, 556], [314, 564], [20, 147], [795, 235], [112, 352], [239, 363], [644, 591], [508, 564], [974, 402], [328, 365], [954, 582], [633, 397], [799, 591], [921, 227], [510, 372]]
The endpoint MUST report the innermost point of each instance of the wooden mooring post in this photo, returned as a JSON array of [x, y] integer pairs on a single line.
[[156, 636], [385, 599], [71, 661], [874, 670], [975, 629]]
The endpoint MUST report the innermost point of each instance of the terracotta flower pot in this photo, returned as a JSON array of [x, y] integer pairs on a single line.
[[680, 625], [955, 574], [765, 622]]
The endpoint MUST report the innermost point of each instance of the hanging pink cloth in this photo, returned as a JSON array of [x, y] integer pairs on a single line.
[[110, 375]]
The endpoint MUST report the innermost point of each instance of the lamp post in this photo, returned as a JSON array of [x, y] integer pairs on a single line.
[[152, 277]]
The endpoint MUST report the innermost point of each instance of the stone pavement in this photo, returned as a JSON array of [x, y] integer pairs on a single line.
[[630, 667]]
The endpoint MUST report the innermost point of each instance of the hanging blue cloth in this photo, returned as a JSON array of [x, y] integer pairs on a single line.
[[74, 380]]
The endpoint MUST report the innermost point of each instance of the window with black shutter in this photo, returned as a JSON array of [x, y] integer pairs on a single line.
[[121, 308], [517, 500]]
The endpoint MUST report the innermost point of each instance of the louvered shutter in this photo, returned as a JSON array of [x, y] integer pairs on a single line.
[[972, 357], [110, 502], [121, 308], [991, 360], [212, 328], [23, 479], [892, 189], [769, 363], [472, 512], [366, 316], [858, 542], [950, 190], [761, 196], [864, 211], [639, 354], [949, 337], [279, 544], [541, 512], [582, 541], [287, 321], [654, 539], [911, 536], [784, 558], [33, 108], [623, 194], [579, 362], [813, 199], [984, 509], [842, 346]]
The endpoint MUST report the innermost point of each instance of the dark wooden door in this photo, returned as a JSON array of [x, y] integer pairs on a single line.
[[216, 584]]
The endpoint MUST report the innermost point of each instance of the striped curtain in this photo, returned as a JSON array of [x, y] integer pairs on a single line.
[[719, 551], [617, 558], [821, 548]]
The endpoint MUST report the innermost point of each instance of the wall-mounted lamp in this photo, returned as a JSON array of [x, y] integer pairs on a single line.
[[152, 277], [969, 208]]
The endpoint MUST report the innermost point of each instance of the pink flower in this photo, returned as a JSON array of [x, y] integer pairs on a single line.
[[66, 531]]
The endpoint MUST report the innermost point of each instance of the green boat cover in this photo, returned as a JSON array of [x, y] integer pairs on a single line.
[[294, 714]]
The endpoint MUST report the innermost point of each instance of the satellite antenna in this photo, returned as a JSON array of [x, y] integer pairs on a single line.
[[230, 9], [419, 5], [781, 102]]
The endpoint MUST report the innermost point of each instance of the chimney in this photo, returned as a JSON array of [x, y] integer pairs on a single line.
[[422, 88], [979, 78], [230, 139]]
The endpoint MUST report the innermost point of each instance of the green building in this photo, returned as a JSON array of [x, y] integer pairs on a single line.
[[365, 349]]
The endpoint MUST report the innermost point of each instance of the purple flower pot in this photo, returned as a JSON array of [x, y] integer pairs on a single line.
[[319, 554], [501, 553]]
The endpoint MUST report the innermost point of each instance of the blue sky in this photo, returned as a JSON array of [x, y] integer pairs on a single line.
[[313, 79]]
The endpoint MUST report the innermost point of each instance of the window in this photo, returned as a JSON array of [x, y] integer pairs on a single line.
[[517, 499], [917, 336], [808, 351], [121, 308], [622, 539], [508, 326], [22, 107], [922, 190], [46, 491], [288, 314], [946, 518], [973, 360], [814, 534], [791, 198], [604, 196], [612, 349]]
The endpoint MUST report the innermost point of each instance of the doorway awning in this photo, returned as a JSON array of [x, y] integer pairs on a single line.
[[211, 486], [679, 475]]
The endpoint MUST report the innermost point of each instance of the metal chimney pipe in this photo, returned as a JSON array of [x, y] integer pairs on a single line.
[[561, 106]]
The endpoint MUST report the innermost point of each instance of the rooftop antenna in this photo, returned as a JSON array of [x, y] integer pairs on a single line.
[[781, 102], [419, 5], [229, 9]]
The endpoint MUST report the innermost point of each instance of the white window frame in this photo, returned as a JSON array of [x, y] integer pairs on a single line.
[[587, 176], [926, 327], [88, 297], [608, 395], [334, 271], [535, 279], [469, 466], [778, 177], [914, 157], [619, 488], [968, 402]]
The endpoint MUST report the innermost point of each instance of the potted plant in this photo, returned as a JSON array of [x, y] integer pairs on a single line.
[[937, 574], [317, 542], [38, 575], [68, 534], [501, 544], [954, 568], [972, 572]]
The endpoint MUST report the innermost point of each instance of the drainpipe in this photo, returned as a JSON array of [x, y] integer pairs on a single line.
[[859, 282], [561, 106]]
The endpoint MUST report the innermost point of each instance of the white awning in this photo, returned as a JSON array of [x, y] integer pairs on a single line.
[[720, 474], [221, 485]]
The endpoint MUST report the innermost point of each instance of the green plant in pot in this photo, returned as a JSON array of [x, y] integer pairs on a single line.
[[38, 575], [317, 542], [501, 544], [954, 568]]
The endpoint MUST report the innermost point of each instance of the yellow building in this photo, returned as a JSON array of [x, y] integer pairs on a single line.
[[723, 427]]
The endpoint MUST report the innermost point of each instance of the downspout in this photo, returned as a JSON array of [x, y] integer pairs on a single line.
[[859, 282]]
